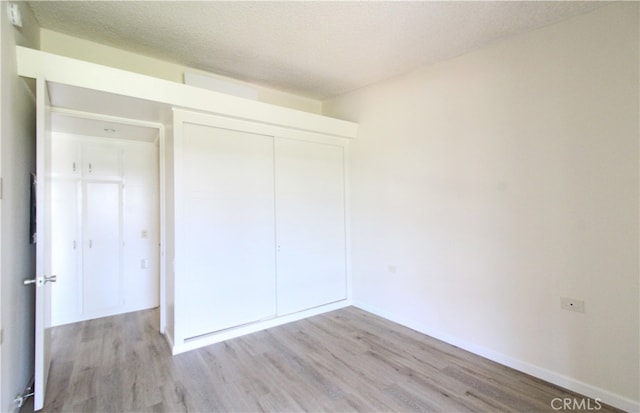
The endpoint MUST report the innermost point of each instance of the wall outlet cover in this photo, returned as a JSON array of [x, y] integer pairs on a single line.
[[14, 14]]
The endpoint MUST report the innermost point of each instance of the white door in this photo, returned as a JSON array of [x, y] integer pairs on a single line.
[[101, 160], [310, 229], [43, 256], [226, 246], [101, 274]]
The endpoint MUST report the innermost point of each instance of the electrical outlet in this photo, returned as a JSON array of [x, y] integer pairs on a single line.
[[572, 304], [392, 269], [144, 264], [13, 10]]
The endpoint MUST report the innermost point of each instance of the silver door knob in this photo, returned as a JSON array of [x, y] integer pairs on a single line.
[[41, 280], [50, 279]]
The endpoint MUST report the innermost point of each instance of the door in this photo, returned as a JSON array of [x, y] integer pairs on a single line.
[[101, 261], [227, 263], [310, 224], [101, 160], [43, 256]]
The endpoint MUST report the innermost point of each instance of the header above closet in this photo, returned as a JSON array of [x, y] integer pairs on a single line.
[[78, 85]]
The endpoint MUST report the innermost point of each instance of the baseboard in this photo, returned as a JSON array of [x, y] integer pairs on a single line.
[[167, 336], [95, 316], [569, 383], [223, 335]]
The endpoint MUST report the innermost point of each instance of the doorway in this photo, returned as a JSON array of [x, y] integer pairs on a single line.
[[105, 221]]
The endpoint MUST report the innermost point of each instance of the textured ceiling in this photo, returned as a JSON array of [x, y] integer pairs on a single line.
[[315, 49]]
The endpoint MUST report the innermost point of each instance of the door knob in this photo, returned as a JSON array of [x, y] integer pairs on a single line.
[[50, 279], [41, 280]]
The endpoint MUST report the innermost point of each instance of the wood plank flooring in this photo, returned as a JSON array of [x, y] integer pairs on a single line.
[[343, 361]]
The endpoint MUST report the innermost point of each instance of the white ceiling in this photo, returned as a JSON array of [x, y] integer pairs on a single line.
[[316, 49]]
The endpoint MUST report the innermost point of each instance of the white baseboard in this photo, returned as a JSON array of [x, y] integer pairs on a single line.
[[213, 338], [542, 373], [103, 314], [168, 337]]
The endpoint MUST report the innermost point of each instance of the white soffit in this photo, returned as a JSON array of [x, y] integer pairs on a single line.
[[315, 49], [88, 100], [86, 126], [76, 85]]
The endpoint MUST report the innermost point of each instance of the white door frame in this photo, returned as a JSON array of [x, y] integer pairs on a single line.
[[161, 187]]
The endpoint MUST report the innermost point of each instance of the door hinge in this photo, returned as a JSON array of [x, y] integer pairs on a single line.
[[22, 397]]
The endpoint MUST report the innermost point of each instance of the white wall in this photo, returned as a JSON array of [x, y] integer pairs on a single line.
[[65, 45], [141, 213], [17, 256], [486, 187]]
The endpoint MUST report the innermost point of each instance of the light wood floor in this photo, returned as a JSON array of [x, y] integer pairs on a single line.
[[346, 360]]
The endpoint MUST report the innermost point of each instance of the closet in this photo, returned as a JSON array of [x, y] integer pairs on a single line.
[[241, 226], [261, 223]]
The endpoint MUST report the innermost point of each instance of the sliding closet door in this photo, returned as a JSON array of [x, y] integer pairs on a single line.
[[311, 256], [226, 247]]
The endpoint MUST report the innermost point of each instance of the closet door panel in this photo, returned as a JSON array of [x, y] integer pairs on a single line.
[[101, 258], [227, 261], [65, 156], [310, 224], [101, 160]]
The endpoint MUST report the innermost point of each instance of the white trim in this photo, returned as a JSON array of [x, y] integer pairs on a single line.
[[178, 213], [106, 118], [162, 183], [250, 126], [255, 327], [558, 379], [347, 219]]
